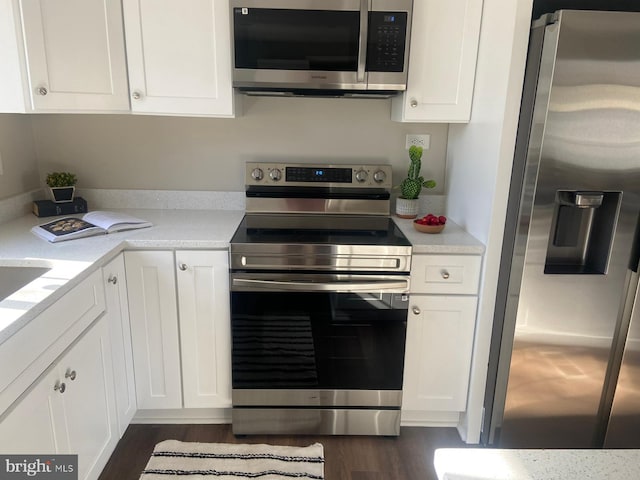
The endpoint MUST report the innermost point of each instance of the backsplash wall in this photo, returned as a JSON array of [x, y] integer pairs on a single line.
[[182, 153], [19, 163]]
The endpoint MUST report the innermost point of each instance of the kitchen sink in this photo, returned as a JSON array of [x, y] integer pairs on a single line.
[[14, 277]]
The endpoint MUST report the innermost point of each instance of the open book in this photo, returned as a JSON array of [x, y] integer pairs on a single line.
[[92, 223]]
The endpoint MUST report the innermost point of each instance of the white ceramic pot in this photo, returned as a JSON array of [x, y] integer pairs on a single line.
[[406, 208]]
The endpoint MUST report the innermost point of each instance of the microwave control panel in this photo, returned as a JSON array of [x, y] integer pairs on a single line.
[[387, 40]]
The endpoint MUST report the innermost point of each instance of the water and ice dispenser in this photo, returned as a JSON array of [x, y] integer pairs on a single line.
[[582, 232]]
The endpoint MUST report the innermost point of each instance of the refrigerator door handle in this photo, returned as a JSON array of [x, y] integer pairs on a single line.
[[629, 311], [634, 262]]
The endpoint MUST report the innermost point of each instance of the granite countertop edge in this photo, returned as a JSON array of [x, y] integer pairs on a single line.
[[536, 464]]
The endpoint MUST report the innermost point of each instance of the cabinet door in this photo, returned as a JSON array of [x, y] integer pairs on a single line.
[[205, 336], [71, 409], [438, 353], [75, 55], [442, 62], [119, 327], [154, 328], [179, 56], [28, 427], [89, 404], [13, 71]]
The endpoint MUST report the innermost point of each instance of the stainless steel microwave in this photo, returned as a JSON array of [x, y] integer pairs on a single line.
[[321, 47]]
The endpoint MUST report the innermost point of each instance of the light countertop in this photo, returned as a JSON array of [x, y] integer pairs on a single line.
[[72, 261], [503, 464], [452, 240]]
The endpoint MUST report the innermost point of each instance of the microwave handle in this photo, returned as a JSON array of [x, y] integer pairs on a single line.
[[364, 34]]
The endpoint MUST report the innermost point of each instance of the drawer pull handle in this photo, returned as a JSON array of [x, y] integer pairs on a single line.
[[112, 279], [444, 274], [71, 374], [59, 387], [183, 266], [415, 310]]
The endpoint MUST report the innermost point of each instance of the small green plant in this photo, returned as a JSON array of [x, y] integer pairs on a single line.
[[412, 185], [61, 179]]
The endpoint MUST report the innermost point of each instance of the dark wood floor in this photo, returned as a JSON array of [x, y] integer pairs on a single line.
[[407, 457]]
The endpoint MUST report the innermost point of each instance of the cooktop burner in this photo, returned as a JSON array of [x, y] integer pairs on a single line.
[[319, 229]]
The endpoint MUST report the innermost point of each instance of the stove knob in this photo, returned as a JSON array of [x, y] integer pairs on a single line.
[[257, 174], [275, 175], [361, 176], [379, 176]]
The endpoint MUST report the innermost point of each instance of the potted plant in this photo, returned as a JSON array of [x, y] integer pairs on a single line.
[[410, 188], [62, 186]]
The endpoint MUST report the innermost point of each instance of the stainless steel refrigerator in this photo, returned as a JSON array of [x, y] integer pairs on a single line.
[[564, 368]]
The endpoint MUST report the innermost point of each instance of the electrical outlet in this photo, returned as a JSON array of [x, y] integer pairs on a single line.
[[419, 141]]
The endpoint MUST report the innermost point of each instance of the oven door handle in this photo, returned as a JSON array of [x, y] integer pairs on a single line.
[[399, 286]]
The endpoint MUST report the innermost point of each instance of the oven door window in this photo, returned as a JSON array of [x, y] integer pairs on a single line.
[[318, 340], [319, 40]]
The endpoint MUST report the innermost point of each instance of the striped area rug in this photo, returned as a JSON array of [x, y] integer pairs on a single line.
[[226, 461]]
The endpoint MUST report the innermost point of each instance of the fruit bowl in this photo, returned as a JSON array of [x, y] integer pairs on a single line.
[[430, 223], [427, 228]]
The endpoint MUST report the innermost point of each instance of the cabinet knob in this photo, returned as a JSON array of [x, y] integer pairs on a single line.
[[42, 91], [415, 310], [112, 279], [71, 374], [444, 274], [136, 95], [59, 387], [182, 266], [413, 103]]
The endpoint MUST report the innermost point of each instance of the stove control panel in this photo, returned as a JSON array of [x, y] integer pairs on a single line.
[[346, 176]]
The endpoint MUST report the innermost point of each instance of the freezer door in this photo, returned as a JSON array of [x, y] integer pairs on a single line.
[[623, 430], [579, 208]]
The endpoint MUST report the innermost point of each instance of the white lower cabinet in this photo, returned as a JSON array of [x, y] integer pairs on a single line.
[[439, 343], [71, 409], [29, 427], [205, 331], [440, 331], [154, 328], [117, 308], [181, 342]]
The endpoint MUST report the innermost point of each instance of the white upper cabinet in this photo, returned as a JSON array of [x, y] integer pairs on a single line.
[[179, 57], [442, 62], [63, 56]]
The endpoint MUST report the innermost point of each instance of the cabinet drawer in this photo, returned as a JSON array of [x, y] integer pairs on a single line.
[[448, 274], [29, 352]]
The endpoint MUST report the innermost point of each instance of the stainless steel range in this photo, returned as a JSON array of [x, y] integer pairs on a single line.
[[319, 296]]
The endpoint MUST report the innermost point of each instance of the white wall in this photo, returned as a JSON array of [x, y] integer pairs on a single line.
[[20, 169], [178, 153], [479, 160]]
